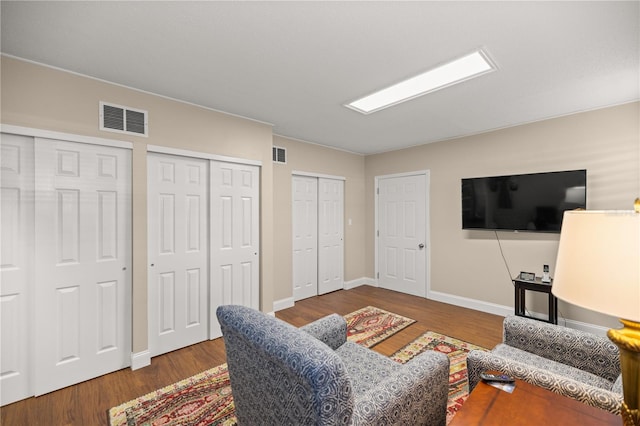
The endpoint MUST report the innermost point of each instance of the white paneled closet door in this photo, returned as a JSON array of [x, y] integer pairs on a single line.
[[305, 236], [83, 262], [330, 235], [235, 237], [16, 267], [318, 235], [178, 216]]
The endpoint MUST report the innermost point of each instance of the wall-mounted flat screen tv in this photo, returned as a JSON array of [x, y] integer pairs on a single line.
[[528, 202]]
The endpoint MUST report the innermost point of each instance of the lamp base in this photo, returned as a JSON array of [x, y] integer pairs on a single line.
[[628, 340]]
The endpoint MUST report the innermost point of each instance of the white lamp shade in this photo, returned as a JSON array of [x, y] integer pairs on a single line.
[[598, 265]]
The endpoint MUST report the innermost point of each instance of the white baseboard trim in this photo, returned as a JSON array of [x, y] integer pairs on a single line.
[[492, 308], [140, 359], [281, 304], [348, 285], [465, 302]]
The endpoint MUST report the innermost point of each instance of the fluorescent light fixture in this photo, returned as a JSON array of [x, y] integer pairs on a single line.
[[456, 71]]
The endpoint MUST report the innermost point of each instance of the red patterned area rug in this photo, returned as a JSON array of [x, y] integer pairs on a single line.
[[370, 326], [457, 351], [205, 399]]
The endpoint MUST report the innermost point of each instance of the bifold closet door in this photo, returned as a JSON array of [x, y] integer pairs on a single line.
[[235, 238], [305, 236], [16, 267], [82, 297], [178, 206], [330, 235], [318, 235]]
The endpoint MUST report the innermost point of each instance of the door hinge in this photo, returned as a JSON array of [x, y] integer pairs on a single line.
[[378, 233], [378, 191], [378, 275]]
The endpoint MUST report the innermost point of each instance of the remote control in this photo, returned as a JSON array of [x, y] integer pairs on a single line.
[[496, 378]]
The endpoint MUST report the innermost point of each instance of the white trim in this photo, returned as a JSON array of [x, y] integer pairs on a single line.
[[50, 134], [204, 155], [427, 228], [348, 285], [503, 311], [316, 175], [140, 359], [281, 304]]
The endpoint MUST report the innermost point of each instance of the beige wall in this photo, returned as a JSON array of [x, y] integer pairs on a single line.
[[463, 263], [468, 264], [43, 98], [305, 157]]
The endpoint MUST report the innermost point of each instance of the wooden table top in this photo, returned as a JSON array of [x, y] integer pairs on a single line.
[[527, 405]]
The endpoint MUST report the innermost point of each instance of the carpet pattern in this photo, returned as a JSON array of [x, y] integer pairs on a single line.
[[205, 399], [457, 351]]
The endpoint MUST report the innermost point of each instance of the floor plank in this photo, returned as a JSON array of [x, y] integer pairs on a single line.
[[87, 403]]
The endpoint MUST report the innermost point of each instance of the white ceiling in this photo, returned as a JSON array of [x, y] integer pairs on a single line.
[[294, 64]]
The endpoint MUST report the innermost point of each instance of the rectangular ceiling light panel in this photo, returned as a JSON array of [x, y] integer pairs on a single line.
[[457, 71]]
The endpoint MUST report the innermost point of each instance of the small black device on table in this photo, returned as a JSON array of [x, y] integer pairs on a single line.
[[502, 378], [528, 281]]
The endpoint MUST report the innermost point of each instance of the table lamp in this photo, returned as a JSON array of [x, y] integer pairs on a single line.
[[598, 268]]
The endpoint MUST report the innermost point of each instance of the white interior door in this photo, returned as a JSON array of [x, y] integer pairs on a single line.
[[235, 237], [402, 234], [178, 217], [16, 267], [305, 237], [83, 258], [330, 235]]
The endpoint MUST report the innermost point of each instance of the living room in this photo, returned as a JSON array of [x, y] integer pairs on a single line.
[[472, 269]]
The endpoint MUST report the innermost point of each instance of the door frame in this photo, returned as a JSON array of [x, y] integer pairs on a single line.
[[427, 229]]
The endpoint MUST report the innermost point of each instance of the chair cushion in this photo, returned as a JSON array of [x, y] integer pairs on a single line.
[[365, 367], [528, 358]]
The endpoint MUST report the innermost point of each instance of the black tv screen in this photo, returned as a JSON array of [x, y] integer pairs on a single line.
[[529, 202]]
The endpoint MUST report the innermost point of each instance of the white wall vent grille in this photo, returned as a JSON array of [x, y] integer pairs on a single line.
[[279, 155], [120, 119]]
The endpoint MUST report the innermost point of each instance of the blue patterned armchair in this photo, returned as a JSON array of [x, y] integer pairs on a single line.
[[283, 375], [570, 362]]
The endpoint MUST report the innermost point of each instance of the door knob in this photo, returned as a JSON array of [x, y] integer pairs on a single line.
[[420, 246]]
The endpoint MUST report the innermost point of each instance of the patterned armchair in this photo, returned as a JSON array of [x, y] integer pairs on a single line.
[[283, 375], [570, 362]]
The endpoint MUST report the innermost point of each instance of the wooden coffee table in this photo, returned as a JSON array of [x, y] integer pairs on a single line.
[[527, 405]]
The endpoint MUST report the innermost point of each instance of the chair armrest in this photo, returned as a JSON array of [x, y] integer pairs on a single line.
[[331, 330], [579, 349], [479, 361], [416, 394]]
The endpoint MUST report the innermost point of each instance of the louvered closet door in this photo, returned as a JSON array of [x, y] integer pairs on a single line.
[[83, 258], [178, 251], [235, 237], [17, 267]]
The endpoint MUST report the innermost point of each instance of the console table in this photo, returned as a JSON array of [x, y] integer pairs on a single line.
[[527, 405], [522, 285]]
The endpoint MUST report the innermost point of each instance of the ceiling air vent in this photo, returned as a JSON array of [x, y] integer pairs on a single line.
[[120, 119], [279, 155]]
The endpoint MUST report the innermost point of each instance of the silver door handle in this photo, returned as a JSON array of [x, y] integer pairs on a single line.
[[420, 246]]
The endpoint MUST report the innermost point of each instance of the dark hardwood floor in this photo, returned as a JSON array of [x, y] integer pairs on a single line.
[[87, 403]]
